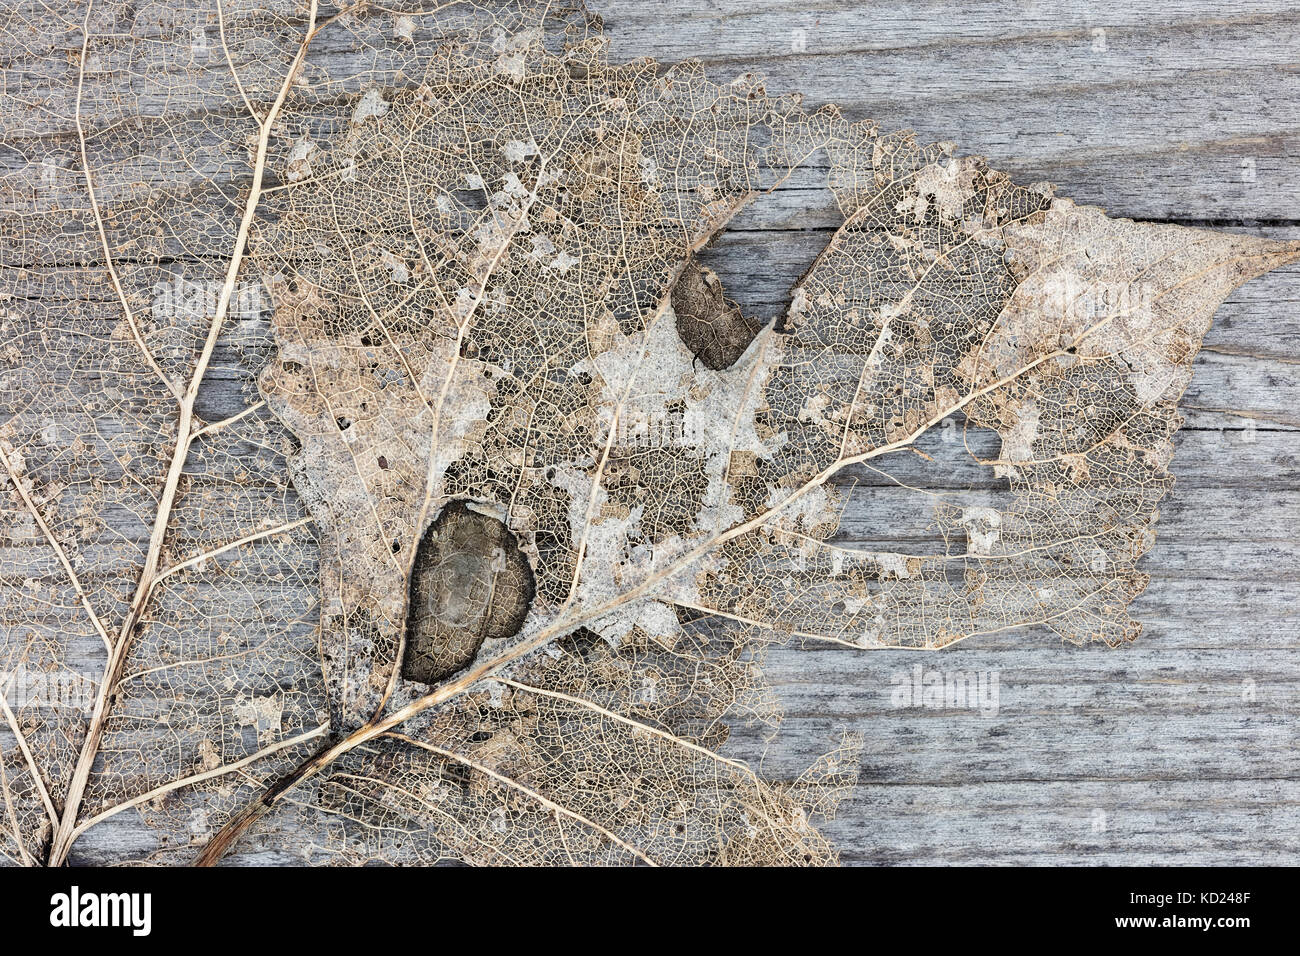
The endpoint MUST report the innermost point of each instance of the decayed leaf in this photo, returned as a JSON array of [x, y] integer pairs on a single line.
[[553, 493]]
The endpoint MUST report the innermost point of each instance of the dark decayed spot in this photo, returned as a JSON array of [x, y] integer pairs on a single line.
[[710, 324], [470, 582]]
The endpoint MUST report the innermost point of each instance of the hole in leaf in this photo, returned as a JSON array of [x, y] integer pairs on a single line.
[[470, 582], [473, 200], [773, 241]]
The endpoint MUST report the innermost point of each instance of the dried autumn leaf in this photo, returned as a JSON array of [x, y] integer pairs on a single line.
[[566, 492]]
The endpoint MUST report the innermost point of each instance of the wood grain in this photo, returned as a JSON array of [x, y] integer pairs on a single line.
[[1183, 747]]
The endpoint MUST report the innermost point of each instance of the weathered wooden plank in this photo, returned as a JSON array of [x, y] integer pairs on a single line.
[[1180, 748], [1180, 110], [1168, 111], [1144, 754], [1250, 371], [1120, 822]]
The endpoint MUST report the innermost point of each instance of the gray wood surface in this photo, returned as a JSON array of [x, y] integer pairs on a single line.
[[1183, 747]]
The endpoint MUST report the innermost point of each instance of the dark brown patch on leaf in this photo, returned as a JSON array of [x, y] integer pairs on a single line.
[[711, 325], [470, 582]]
